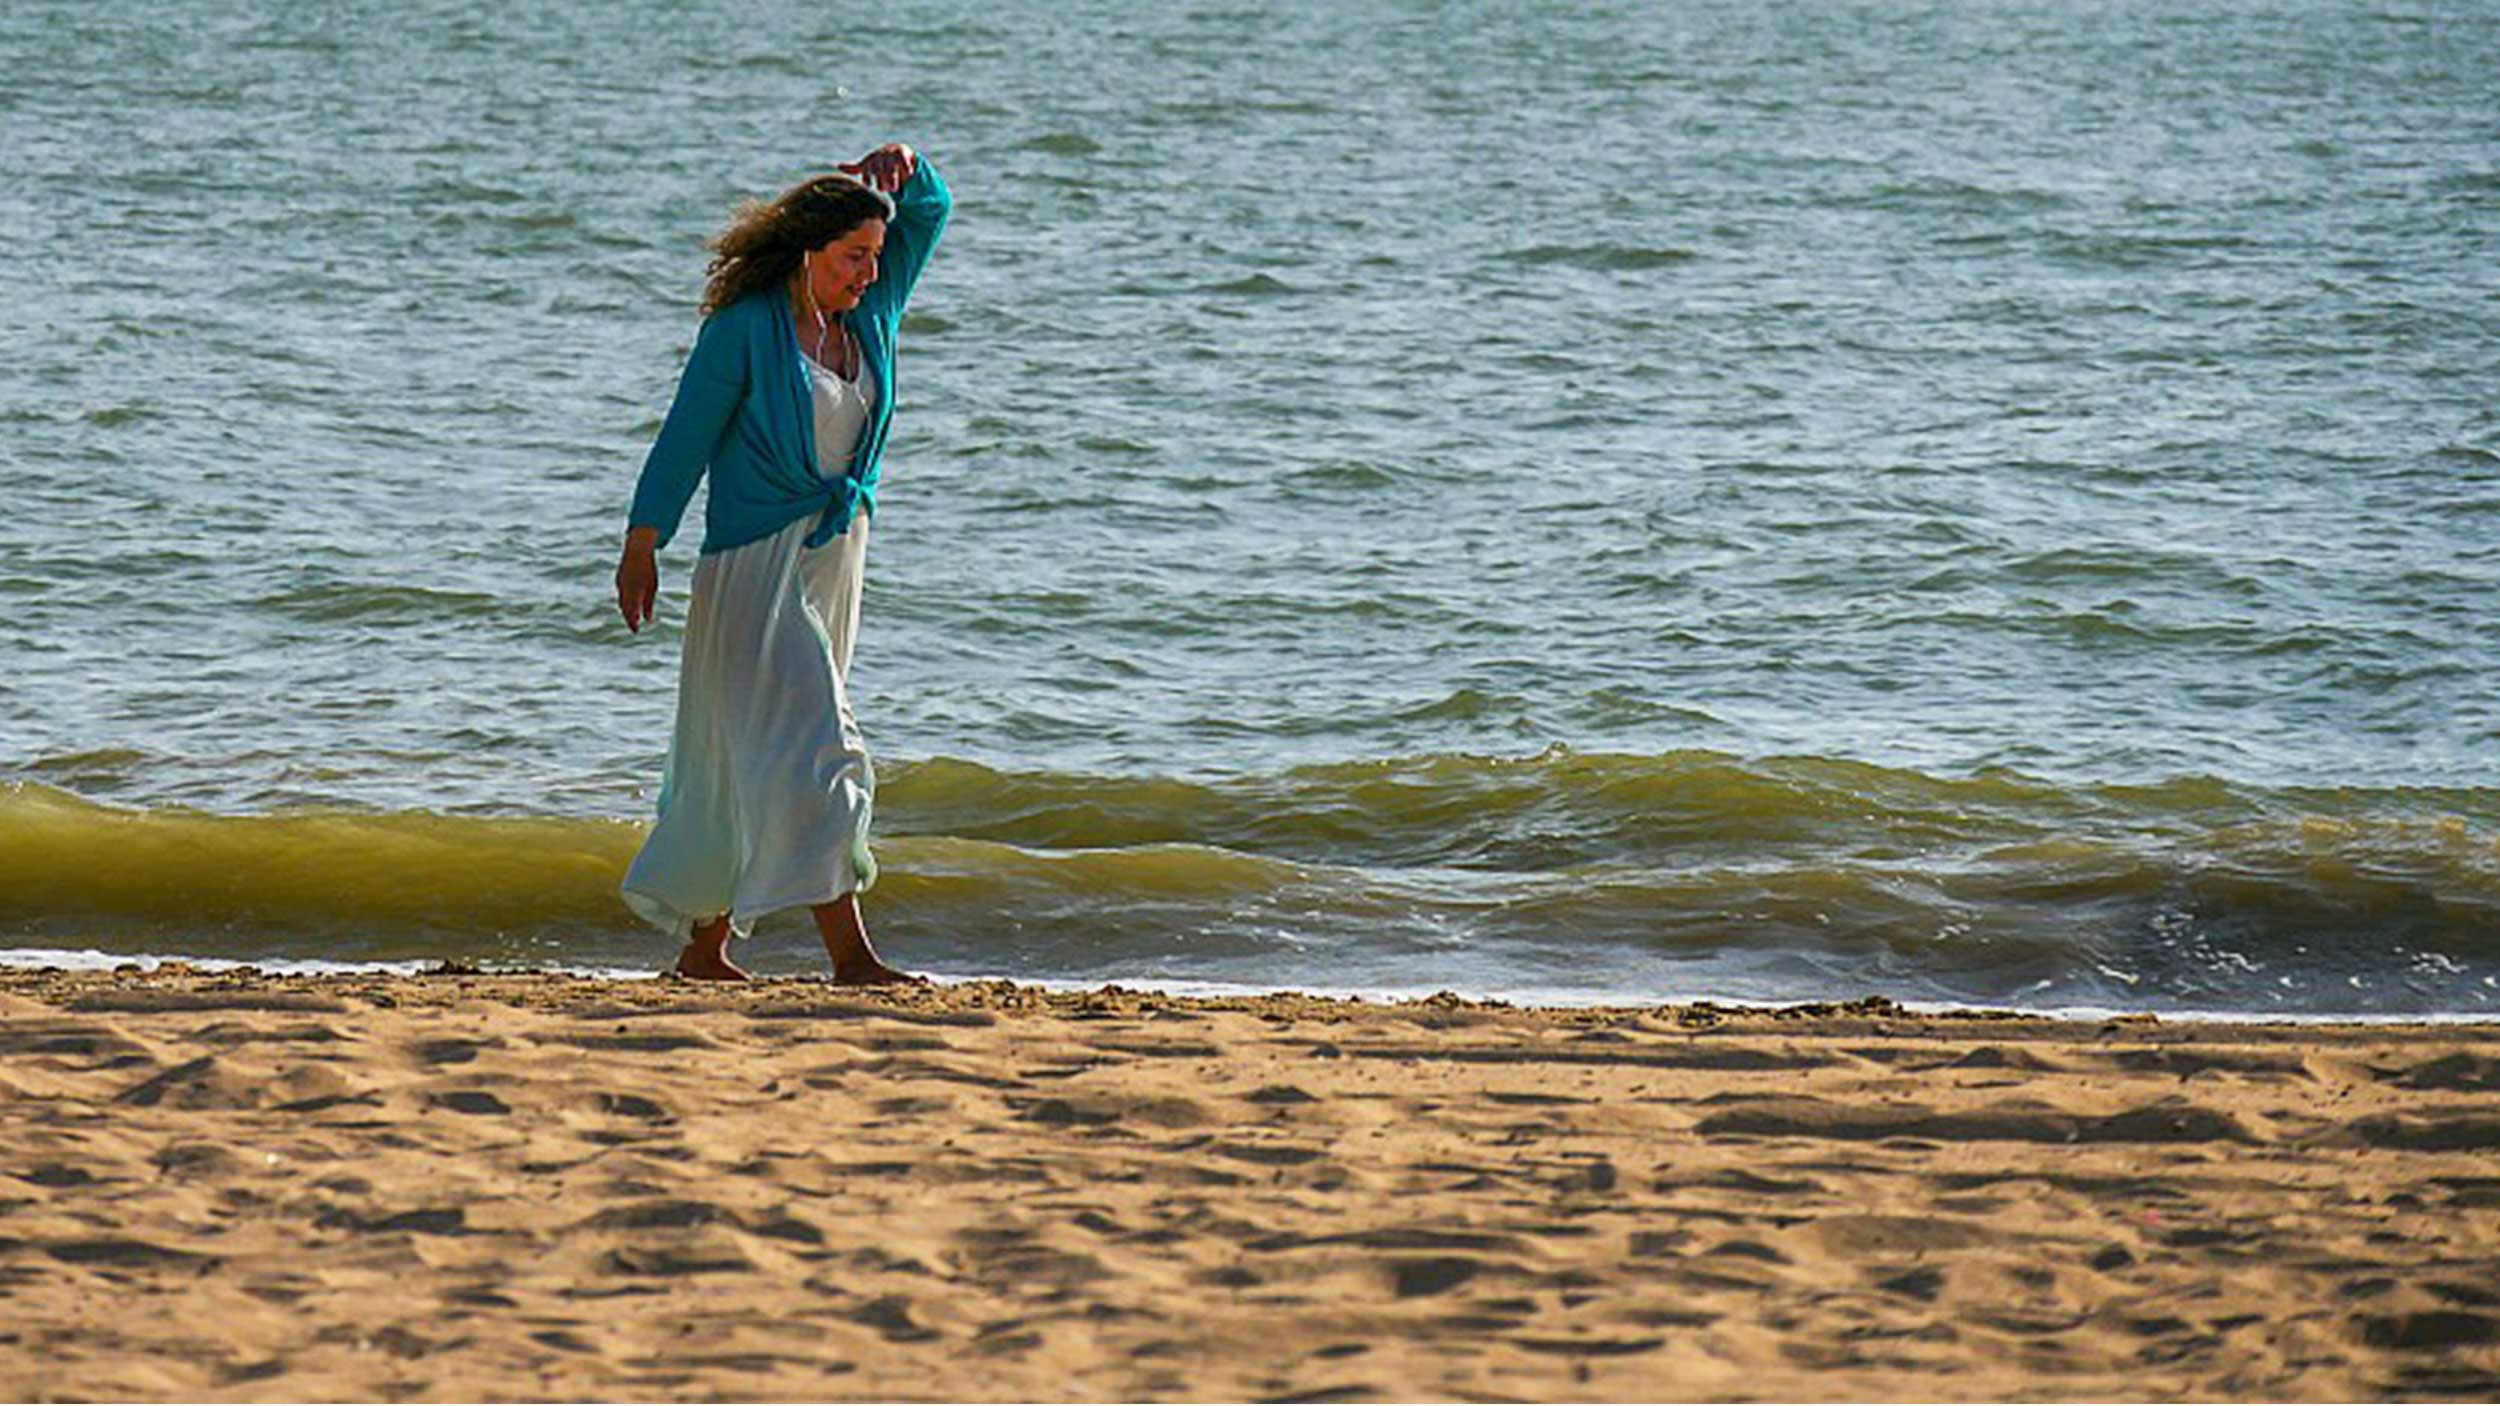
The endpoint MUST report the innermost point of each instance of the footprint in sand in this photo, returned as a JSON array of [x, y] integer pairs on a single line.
[[1417, 1278], [891, 1316]]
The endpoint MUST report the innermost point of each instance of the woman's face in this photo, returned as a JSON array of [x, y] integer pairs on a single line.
[[839, 272]]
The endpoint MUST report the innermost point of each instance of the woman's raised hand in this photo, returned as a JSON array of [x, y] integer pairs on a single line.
[[638, 578], [886, 168]]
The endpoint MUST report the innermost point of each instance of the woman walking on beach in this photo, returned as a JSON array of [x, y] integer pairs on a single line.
[[785, 401]]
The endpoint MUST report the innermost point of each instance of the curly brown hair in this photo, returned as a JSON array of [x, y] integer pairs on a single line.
[[765, 238]]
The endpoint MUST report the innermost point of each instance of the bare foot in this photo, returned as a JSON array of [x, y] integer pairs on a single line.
[[855, 963], [701, 964], [873, 972], [706, 957]]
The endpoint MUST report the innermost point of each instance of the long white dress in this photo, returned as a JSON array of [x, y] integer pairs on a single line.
[[766, 799]]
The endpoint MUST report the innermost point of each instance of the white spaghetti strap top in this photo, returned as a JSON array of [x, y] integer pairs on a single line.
[[842, 408]]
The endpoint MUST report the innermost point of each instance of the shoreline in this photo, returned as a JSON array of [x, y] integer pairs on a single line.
[[38, 961], [246, 1186]]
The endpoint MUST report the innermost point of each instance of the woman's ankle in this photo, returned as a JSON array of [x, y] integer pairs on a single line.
[[706, 957], [844, 932], [855, 960]]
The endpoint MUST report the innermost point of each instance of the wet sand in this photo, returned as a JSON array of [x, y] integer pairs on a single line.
[[246, 1187]]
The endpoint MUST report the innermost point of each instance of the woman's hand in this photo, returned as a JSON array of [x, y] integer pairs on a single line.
[[886, 168], [638, 577]]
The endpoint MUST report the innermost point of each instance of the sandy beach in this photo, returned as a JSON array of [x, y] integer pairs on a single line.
[[246, 1187]]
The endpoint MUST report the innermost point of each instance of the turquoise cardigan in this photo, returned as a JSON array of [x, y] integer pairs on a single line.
[[744, 410]]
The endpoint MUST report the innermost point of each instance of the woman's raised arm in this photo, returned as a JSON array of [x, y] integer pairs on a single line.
[[921, 206]]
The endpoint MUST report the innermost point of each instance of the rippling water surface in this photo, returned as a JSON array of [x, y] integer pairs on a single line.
[[1983, 501]]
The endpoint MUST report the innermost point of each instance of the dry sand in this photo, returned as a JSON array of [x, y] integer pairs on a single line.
[[245, 1187]]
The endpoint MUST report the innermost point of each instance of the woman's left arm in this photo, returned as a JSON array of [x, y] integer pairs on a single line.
[[921, 205]]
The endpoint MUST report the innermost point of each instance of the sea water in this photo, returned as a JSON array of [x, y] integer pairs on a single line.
[[1980, 501]]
